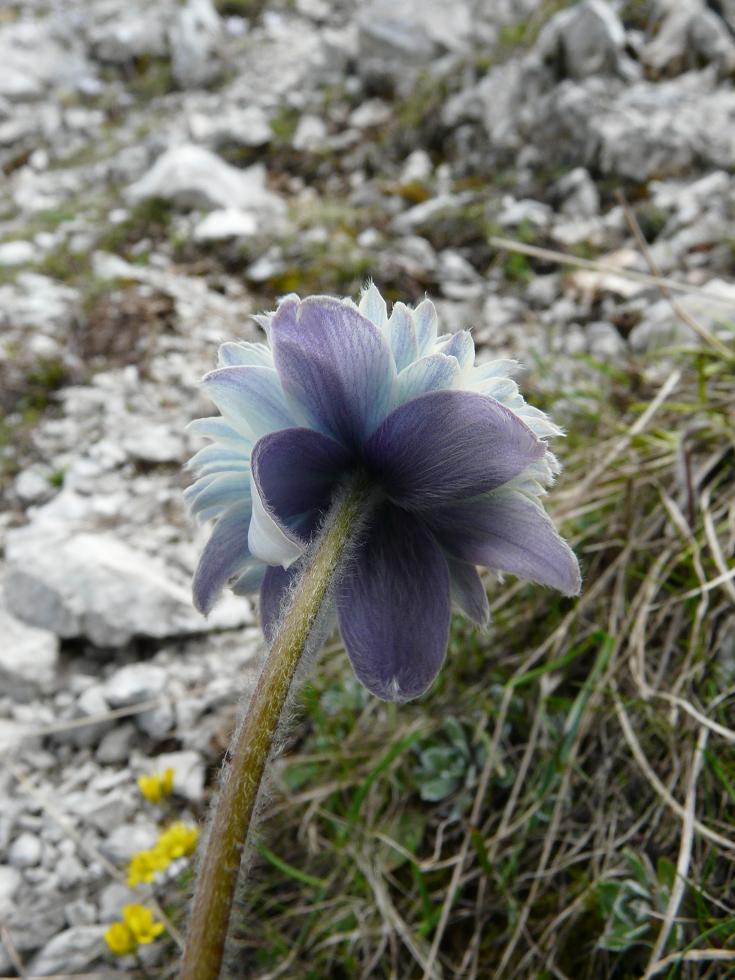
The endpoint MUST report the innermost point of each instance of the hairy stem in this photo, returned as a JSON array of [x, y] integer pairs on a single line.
[[253, 742]]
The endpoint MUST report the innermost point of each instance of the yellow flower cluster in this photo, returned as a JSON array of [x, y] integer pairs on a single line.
[[155, 787], [138, 927], [176, 841]]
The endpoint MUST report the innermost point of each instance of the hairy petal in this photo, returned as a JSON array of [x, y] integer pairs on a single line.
[[373, 306], [508, 532], [393, 607], [244, 352], [250, 398], [335, 366], [296, 470], [468, 592], [224, 555], [434, 372], [251, 579], [448, 445], [461, 346]]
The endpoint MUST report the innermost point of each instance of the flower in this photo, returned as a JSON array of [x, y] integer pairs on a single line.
[[144, 866], [156, 786], [139, 920], [178, 840], [457, 459], [120, 939]]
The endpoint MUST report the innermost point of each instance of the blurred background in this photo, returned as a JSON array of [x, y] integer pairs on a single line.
[[560, 804]]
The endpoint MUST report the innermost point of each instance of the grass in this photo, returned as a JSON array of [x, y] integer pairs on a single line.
[[559, 805]]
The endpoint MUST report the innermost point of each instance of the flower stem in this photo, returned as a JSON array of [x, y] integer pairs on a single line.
[[253, 742]]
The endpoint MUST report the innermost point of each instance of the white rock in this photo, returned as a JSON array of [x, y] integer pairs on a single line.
[[154, 443], [28, 658], [233, 124], [25, 851], [689, 35], [133, 684], [10, 881], [70, 952], [226, 223], [192, 177], [97, 586], [374, 112], [17, 253], [579, 194], [127, 839], [194, 37], [587, 39], [33, 484], [416, 167], [310, 134]]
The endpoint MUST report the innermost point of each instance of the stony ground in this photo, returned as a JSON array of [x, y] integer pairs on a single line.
[[170, 169]]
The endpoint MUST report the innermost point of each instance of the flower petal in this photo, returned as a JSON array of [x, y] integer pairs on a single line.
[[251, 579], [447, 445], [334, 365], [431, 373], [273, 591], [224, 556], [461, 346], [250, 398], [402, 336], [268, 539], [393, 607], [468, 592], [244, 352], [296, 470], [207, 499], [373, 306], [427, 322], [508, 532]]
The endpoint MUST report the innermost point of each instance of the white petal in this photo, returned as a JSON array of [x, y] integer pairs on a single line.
[[267, 540]]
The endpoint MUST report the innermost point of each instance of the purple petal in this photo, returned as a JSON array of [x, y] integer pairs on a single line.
[[508, 532], [334, 365], [468, 592], [250, 398], [393, 607], [273, 591], [447, 445], [224, 555], [296, 470]]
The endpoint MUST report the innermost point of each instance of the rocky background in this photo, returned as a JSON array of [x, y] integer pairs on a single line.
[[170, 169]]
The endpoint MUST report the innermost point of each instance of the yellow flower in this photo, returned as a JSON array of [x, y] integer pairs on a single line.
[[140, 922], [143, 867], [156, 786], [178, 840], [120, 939]]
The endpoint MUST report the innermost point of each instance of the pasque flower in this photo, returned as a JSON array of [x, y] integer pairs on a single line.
[[457, 462]]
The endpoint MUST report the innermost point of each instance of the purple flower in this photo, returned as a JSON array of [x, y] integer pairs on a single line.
[[458, 459]]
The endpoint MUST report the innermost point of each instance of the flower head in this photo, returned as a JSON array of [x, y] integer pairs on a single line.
[[178, 840], [457, 459], [139, 920], [120, 939], [156, 786]]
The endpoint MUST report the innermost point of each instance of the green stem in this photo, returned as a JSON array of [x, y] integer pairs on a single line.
[[253, 742]]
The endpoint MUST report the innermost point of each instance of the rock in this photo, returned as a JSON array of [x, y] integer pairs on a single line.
[[223, 224], [114, 749], [133, 684], [95, 585], [604, 342], [661, 327], [33, 484], [191, 177], [17, 253], [311, 134], [578, 193], [194, 38], [127, 839], [28, 658], [690, 35], [10, 882], [155, 444], [374, 112], [70, 952], [137, 31], [25, 851], [232, 125], [587, 39]]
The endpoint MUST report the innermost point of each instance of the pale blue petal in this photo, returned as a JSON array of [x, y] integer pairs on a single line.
[[434, 372], [267, 539], [244, 353], [216, 428], [224, 556], [218, 457], [402, 336], [461, 346], [426, 320], [250, 398], [373, 306], [251, 579], [223, 491]]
